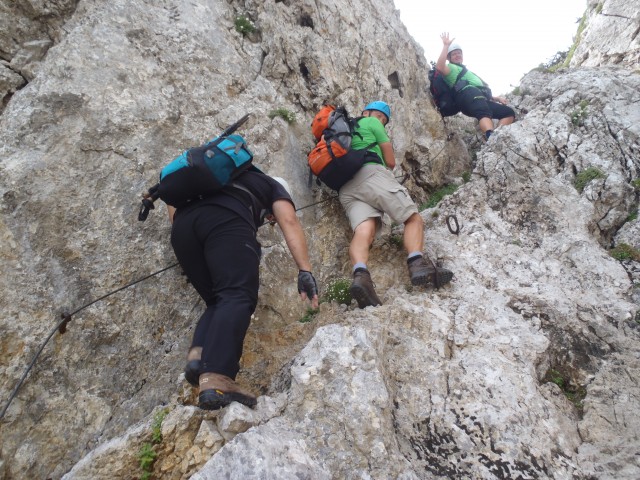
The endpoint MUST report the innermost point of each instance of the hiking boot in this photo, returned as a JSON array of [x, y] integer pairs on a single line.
[[422, 273], [362, 289], [192, 370], [221, 391]]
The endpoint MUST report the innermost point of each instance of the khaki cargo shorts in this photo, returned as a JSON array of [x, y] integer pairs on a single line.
[[372, 192]]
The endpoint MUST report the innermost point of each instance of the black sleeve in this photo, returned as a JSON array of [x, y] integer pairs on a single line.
[[278, 192], [265, 191]]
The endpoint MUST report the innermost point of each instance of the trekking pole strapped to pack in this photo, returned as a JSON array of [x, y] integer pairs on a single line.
[[200, 171]]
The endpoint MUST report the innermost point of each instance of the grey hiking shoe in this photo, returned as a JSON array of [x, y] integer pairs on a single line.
[[422, 273], [362, 289]]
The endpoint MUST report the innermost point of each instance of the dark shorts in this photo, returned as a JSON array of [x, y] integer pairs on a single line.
[[473, 103]]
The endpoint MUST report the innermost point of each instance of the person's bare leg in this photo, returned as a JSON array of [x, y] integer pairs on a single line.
[[485, 124], [362, 288], [414, 233], [361, 242], [506, 121]]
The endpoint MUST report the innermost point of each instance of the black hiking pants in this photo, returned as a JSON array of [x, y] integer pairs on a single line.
[[220, 255], [473, 103]]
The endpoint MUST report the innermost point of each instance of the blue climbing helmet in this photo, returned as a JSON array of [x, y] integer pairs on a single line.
[[380, 106]]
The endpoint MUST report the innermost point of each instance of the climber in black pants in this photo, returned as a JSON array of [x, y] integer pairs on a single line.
[[215, 242]]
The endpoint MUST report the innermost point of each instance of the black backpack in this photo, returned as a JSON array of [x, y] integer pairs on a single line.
[[443, 95], [201, 171]]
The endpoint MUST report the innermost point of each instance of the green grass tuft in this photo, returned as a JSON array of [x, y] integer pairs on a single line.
[[156, 426], [147, 457], [308, 316], [338, 290], [283, 113], [585, 176], [574, 393], [438, 195], [576, 40], [244, 25], [624, 251]]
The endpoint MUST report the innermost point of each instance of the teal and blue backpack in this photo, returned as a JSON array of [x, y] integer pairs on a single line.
[[201, 171]]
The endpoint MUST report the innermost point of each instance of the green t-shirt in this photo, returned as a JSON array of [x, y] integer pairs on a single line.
[[371, 131], [472, 79]]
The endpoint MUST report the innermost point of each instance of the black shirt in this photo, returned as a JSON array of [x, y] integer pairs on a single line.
[[253, 207]]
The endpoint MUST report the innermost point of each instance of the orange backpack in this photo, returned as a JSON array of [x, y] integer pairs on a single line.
[[332, 129], [332, 159]]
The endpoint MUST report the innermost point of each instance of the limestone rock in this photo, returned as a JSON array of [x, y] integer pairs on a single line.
[[10, 81], [524, 366], [610, 36]]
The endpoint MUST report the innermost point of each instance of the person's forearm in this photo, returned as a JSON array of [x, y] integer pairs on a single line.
[[388, 155], [293, 233], [441, 64], [294, 236]]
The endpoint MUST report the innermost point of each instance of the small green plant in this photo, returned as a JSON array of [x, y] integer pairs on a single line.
[[624, 251], [585, 176], [636, 184], [244, 25], [308, 316], [466, 177], [147, 457], [554, 376], [438, 195], [516, 91], [338, 290], [156, 426], [435, 214], [579, 115], [517, 242], [396, 240], [555, 62], [576, 40], [574, 393], [283, 113], [599, 8], [632, 216]]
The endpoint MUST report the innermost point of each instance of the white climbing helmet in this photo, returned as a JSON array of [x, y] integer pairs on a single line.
[[454, 46], [284, 183]]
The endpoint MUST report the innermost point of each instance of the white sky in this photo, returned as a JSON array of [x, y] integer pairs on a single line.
[[501, 39]]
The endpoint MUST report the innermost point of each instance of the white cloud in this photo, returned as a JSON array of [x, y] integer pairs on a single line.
[[501, 39]]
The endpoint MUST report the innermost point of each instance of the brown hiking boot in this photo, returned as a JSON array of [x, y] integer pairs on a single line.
[[362, 289], [422, 273], [217, 391]]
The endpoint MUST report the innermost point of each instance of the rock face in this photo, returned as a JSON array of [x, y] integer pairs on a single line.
[[27, 30], [610, 36], [125, 86], [526, 366]]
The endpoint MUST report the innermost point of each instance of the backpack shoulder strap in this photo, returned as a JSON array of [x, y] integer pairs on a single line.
[[354, 125], [458, 85], [461, 74]]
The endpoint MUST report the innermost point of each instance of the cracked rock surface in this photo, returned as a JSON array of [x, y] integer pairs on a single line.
[[525, 366]]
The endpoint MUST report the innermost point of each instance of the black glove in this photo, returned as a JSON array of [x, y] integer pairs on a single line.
[[307, 284]]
